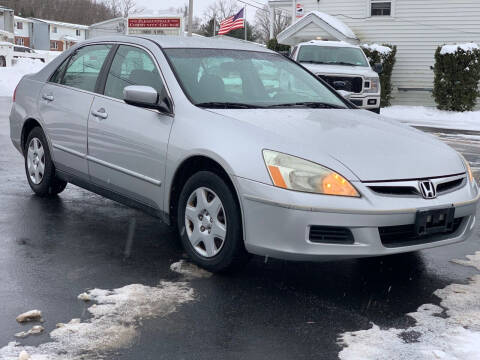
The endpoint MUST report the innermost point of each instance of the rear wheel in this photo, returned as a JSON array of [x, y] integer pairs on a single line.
[[209, 223], [39, 167], [3, 61]]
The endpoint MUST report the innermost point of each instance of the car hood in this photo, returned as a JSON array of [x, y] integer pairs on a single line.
[[340, 70], [373, 148]]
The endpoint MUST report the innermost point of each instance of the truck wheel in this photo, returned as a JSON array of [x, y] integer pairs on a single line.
[[3, 61]]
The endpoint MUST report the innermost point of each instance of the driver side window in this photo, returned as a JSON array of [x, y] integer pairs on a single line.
[[132, 66]]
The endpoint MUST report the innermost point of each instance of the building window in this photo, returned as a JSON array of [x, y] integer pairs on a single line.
[[54, 29], [53, 45], [19, 25], [381, 8], [20, 41], [78, 32]]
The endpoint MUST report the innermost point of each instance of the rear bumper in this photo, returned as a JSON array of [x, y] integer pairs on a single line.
[[280, 229]]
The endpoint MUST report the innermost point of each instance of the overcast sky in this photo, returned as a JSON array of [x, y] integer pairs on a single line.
[[199, 6]]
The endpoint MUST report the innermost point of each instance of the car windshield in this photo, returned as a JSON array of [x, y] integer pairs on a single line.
[[332, 55], [248, 79]]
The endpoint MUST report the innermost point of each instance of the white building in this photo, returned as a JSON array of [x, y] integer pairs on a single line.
[[416, 27], [64, 35], [23, 31]]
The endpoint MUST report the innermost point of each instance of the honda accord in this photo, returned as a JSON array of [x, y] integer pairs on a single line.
[[241, 149]]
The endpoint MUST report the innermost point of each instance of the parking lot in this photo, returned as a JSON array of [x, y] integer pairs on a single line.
[[51, 250]]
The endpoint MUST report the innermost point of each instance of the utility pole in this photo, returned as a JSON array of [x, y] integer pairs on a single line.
[[190, 17]]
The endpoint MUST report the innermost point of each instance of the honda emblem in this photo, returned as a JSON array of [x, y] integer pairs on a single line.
[[427, 189]]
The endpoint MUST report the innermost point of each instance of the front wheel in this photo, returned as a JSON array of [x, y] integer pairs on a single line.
[[39, 167], [210, 224], [3, 61]]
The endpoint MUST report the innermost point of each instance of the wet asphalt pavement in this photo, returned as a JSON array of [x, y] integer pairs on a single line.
[[51, 250]]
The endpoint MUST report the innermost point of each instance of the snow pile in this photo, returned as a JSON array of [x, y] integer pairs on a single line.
[[189, 270], [434, 336], [452, 49], [384, 50], [335, 23], [431, 117], [116, 316], [10, 76]]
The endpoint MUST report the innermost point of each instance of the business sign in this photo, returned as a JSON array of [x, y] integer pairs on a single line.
[[158, 23], [299, 10]]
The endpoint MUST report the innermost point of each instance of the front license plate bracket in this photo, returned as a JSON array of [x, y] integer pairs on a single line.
[[428, 222]]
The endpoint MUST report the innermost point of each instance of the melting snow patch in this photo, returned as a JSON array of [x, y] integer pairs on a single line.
[[115, 319], [454, 337], [37, 329], [32, 315], [189, 270]]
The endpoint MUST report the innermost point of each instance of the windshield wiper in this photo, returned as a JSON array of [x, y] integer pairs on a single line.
[[226, 105], [342, 63], [309, 104], [312, 62]]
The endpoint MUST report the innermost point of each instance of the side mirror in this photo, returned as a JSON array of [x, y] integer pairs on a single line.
[[146, 97], [378, 68]]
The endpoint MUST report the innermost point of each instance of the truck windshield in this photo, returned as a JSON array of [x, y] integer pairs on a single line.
[[219, 78], [332, 55]]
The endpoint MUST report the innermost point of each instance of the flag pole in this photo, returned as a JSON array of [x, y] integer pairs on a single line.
[[245, 20]]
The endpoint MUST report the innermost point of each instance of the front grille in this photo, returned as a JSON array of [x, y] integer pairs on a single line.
[[350, 84], [404, 235], [394, 190], [330, 235], [450, 185]]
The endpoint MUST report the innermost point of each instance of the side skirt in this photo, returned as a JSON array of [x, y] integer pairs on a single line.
[[112, 195]]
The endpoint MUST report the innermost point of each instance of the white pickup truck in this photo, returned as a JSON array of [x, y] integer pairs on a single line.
[[345, 67], [9, 53]]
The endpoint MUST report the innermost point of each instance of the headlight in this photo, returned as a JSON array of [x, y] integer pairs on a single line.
[[469, 169], [290, 172], [374, 85]]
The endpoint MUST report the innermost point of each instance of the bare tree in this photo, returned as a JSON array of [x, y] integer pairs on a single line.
[[129, 7], [262, 22], [220, 10]]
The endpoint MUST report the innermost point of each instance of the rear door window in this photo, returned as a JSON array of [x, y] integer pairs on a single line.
[[84, 67], [132, 66]]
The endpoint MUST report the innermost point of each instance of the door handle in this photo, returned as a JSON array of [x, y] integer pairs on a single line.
[[101, 113], [48, 97]]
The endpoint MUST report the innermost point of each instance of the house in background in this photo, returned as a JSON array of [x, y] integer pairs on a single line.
[[23, 30], [60, 35], [416, 27], [6, 24]]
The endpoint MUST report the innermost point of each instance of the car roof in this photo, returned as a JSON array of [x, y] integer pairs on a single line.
[[328, 43], [169, 42]]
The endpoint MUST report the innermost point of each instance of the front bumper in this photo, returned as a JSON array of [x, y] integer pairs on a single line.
[[277, 221], [364, 101]]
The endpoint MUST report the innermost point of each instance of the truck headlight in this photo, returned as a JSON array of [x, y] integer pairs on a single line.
[[374, 85], [293, 173]]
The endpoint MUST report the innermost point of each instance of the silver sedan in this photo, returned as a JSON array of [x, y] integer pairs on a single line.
[[241, 149]]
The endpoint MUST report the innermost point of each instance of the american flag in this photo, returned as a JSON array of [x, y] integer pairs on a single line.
[[232, 23]]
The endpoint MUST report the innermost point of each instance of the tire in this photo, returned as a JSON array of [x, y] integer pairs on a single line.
[[376, 110], [212, 210], [3, 61], [39, 167]]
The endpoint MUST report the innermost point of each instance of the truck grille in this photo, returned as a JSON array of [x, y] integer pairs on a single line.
[[330, 235], [350, 84], [404, 235]]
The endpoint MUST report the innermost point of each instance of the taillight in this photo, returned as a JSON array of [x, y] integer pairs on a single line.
[[15, 93]]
